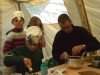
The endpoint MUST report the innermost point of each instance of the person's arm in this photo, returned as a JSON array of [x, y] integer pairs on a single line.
[[13, 58], [42, 42], [57, 48], [93, 45], [90, 43], [7, 44]]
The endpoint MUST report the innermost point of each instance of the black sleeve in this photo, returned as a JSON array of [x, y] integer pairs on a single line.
[[57, 48], [90, 41]]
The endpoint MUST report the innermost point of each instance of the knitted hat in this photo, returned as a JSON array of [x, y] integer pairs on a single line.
[[18, 14], [33, 34]]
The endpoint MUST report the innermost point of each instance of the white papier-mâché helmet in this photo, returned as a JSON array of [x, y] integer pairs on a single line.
[[18, 14], [33, 34]]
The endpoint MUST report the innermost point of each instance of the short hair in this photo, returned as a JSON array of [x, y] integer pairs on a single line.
[[62, 18]]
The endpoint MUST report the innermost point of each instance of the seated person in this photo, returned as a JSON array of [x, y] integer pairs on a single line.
[[26, 56], [74, 40]]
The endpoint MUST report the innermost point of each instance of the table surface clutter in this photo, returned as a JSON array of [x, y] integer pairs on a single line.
[[84, 70]]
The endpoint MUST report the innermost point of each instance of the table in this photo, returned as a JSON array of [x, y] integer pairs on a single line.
[[70, 71]]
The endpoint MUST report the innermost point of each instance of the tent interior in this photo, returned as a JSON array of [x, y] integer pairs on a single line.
[[82, 13]]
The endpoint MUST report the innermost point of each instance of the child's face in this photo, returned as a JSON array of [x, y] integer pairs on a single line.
[[17, 23], [31, 46]]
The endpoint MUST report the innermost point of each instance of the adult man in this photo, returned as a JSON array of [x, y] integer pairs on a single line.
[[26, 57], [72, 39]]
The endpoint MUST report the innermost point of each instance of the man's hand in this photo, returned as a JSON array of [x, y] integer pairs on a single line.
[[28, 62], [77, 49], [63, 55]]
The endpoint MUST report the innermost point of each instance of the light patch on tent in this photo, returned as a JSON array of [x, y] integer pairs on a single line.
[[48, 12]]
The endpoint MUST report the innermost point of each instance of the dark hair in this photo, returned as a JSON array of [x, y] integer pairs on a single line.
[[62, 18], [33, 22]]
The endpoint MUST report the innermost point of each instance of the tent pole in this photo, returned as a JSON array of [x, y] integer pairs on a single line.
[[84, 18], [83, 15], [19, 5]]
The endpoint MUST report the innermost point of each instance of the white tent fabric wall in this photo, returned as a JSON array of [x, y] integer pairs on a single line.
[[50, 31], [73, 12], [6, 20], [93, 11], [0, 31], [48, 11]]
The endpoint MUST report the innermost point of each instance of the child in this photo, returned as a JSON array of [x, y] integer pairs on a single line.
[[16, 36], [35, 21], [26, 56]]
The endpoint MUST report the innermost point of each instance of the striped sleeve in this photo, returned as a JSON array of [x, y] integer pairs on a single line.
[[14, 39], [7, 45]]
